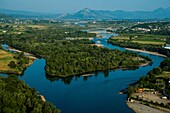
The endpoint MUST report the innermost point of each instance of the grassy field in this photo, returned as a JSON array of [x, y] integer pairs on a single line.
[[150, 42], [5, 58], [142, 38], [164, 74], [145, 35], [18, 29], [121, 38]]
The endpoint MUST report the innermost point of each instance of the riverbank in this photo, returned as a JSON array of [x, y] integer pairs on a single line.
[[144, 51], [43, 98], [85, 75]]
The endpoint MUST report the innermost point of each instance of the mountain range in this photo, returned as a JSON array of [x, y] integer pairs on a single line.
[[88, 14], [26, 14], [118, 14]]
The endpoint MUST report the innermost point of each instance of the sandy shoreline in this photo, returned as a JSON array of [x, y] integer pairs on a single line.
[[43, 98], [29, 55], [98, 45], [144, 51], [85, 75]]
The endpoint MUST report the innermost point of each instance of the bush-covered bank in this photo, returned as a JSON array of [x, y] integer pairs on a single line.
[[18, 97], [155, 84]]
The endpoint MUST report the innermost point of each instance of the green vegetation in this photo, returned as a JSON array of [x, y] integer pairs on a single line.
[[154, 79], [141, 42], [66, 57], [13, 63], [17, 97], [149, 88], [142, 38], [88, 59]]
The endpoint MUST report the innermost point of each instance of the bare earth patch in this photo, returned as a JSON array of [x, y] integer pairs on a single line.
[[140, 108], [5, 58], [144, 51]]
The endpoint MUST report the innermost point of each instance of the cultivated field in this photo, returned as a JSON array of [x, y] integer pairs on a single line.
[[142, 38]]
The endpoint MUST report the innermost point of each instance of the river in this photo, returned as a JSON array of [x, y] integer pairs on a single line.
[[93, 94]]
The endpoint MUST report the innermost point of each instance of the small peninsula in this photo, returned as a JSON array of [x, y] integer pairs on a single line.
[[18, 97], [13, 63]]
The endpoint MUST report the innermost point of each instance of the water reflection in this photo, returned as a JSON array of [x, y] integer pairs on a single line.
[[65, 80], [68, 80], [106, 73]]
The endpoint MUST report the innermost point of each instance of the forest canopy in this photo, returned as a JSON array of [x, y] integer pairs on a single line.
[[18, 97]]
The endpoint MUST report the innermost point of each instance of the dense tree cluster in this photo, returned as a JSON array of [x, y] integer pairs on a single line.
[[17, 97], [12, 64], [165, 65], [76, 59]]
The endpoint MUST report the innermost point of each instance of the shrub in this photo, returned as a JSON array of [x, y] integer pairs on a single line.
[[12, 64]]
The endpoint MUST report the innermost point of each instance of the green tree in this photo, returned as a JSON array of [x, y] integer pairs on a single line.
[[12, 64]]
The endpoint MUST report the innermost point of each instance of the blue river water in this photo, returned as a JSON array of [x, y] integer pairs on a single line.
[[93, 94]]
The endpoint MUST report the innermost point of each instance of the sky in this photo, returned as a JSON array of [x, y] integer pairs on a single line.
[[71, 6]]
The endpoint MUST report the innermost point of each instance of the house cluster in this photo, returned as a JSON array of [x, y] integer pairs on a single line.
[[167, 46], [77, 23], [15, 21], [141, 29], [148, 28]]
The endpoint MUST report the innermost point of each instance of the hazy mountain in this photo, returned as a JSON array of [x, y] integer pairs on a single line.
[[26, 14], [119, 14], [5, 16], [86, 14]]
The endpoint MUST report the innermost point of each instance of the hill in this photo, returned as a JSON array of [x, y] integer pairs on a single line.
[[88, 14], [26, 14], [118, 14]]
